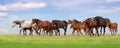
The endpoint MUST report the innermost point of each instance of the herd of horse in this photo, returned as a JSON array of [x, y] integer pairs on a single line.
[[51, 28]]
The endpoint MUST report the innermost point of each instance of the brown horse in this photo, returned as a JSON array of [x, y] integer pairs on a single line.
[[113, 28], [86, 28], [78, 27], [73, 26], [45, 25], [92, 24]]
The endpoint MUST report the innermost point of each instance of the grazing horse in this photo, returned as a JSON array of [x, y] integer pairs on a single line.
[[92, 24], [23, 25], [113, 28], [59, 24], [45, 25], [102, 22]]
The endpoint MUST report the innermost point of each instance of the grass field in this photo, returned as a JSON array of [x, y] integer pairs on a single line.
[[16, 41]]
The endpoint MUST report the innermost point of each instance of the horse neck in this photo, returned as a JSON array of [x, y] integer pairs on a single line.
[[73, 23], [38, 22]]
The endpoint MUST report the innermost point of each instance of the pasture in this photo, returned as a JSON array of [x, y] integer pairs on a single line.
[[17, 41]]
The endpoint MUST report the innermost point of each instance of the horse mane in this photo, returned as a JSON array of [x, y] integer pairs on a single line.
[[76, 21]]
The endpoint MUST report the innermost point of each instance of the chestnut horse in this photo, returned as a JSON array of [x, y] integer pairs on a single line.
[[92, 24], [78, 27], [113, 28], [45, 25]]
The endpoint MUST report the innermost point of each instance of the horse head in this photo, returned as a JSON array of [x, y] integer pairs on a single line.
[[17, 23], [34, 21]]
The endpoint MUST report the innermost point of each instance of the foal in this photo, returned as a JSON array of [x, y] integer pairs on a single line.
[[113, 28], [77, 27]]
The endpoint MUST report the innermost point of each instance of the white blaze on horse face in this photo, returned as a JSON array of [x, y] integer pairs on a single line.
[[13, 25]]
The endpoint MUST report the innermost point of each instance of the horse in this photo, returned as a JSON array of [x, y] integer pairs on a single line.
[[86, 28], [113, 28], [78, 26], [45, 25], [59, 24], [92, 24], [74, 26], [23, 25], [76, 21], [102, 22]]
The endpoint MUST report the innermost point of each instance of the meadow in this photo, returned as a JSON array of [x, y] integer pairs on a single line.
[[17, 41]]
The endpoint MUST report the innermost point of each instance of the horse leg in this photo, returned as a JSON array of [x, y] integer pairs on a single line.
[[111, 31], [104, 31], [78, 32], [73, 32], [55, 32], [92, 32], [97, 31], [24, 32], [20, 32], [81, 32], [51, 32], [59, 32], [116, 31], [47, 32], [64, 31], [101, 31], [31, 32]]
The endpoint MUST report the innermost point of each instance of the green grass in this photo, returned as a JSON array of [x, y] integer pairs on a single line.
[[16, 41]]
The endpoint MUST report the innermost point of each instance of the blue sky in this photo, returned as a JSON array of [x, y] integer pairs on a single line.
[[55, 9]]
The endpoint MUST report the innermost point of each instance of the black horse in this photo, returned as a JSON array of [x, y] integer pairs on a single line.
[[102, 23], [57, 24]]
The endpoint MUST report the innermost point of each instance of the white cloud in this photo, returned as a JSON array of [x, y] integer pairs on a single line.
[[112, 0], [21, 6], [103, 9], [3, 14], [69, 3]]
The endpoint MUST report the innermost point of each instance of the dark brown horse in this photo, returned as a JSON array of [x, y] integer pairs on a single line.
[[113, 28], [57, 24], [45, 25], [102, 23]]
